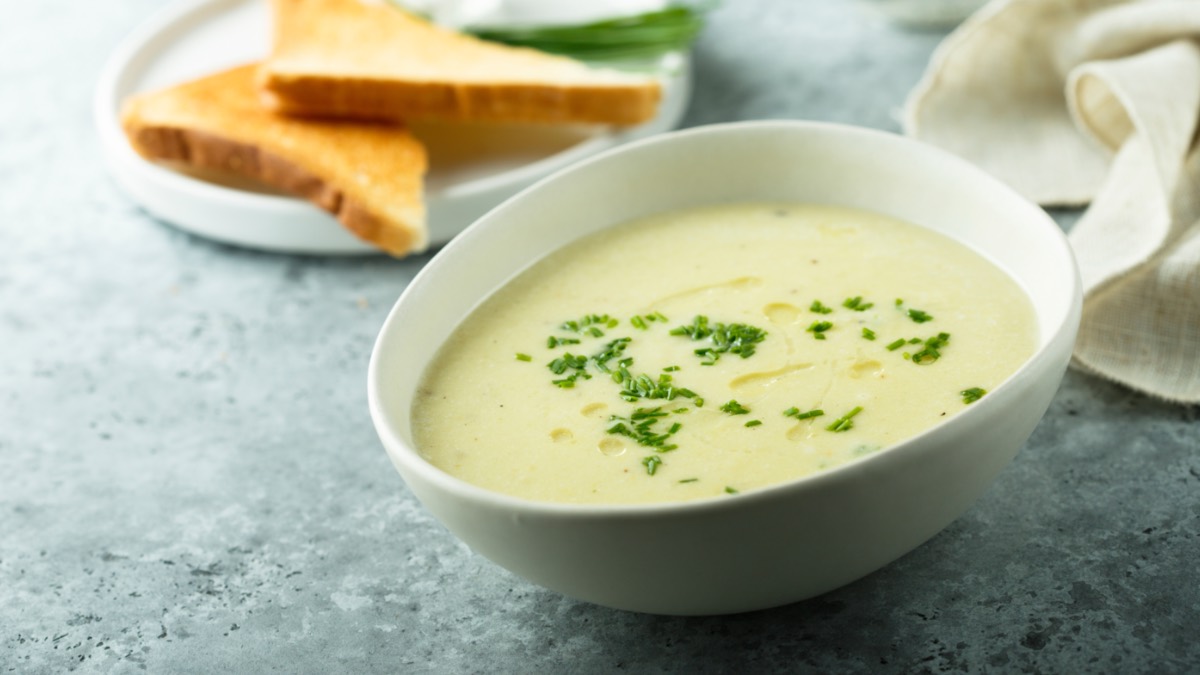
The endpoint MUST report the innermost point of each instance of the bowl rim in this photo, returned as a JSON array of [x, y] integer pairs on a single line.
[[1043, 356]]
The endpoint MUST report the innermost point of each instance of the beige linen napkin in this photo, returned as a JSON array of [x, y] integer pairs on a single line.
[[1076, 101]]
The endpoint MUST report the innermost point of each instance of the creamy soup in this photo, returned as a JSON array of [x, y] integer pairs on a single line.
[[710, 352]]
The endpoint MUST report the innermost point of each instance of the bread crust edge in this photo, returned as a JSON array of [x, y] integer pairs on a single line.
[[365, 98], [211, 151]]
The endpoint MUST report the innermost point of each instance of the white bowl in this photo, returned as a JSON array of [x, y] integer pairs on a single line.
[[779, 544]]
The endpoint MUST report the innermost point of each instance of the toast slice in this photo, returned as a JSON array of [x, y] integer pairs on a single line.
[[369, 175], [348, 58]]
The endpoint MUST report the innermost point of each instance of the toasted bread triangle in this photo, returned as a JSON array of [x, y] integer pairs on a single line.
[[368, 175], [348, 58]]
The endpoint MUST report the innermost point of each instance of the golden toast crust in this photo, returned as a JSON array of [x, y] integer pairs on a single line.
[[368, 175], [347, 58]]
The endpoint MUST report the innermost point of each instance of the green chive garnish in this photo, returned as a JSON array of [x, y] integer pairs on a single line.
[[856, 303], [868, 334], [818, 329], [689, 480], [973, 394], [753, 423], [735, 408], [734, 338], [730, 490], [524, 357], [919, 316], [817, 308], [651, 463], [931, 352], [896, 345], [844, 422]]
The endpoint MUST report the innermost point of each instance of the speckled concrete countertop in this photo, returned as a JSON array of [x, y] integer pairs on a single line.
[[189, 480]]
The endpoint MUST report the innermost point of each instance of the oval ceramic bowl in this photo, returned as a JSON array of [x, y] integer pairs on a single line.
[[778, 544]]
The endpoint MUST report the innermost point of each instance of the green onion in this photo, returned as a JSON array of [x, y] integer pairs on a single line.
[[868, 334], [612, 350], [795, 412], [856, 303], [735, 408], [932, 350], [689, 480], [919, 316], [817, 308], [844, 422], [730, 490], [733, 338], [818, 329], [639, 37], [651, 463], [971, 395], [753, 423], [524, 357], [638, 323], [896, 345], [642, 427]]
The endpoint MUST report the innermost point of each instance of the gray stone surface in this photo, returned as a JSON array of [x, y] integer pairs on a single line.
[[189, 481]]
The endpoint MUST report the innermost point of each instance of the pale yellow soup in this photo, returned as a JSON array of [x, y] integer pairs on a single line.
[[488, 416]]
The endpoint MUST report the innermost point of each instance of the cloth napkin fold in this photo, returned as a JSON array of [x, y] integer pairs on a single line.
[[1077, 101]]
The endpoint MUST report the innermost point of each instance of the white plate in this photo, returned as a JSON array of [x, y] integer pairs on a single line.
[[472, 167]]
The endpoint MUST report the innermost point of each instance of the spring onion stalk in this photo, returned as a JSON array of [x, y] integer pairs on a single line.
[[639, 37]]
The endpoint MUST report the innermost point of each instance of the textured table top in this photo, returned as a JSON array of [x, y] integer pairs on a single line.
[[189, 480]]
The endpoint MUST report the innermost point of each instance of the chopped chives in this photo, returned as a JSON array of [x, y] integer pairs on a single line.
[[734, 338], [856, 303], [817, 308], [973, 394], [670, 369], [791, 411], [753, 423], [730, 490], [638, 323], [810, 414], [932, 351], [735, 408], [524, 357], [868, 334], [651, 463], [844, 422], [896, 345], [818, 329], [689, 480], [595, 332], [919, 316]]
